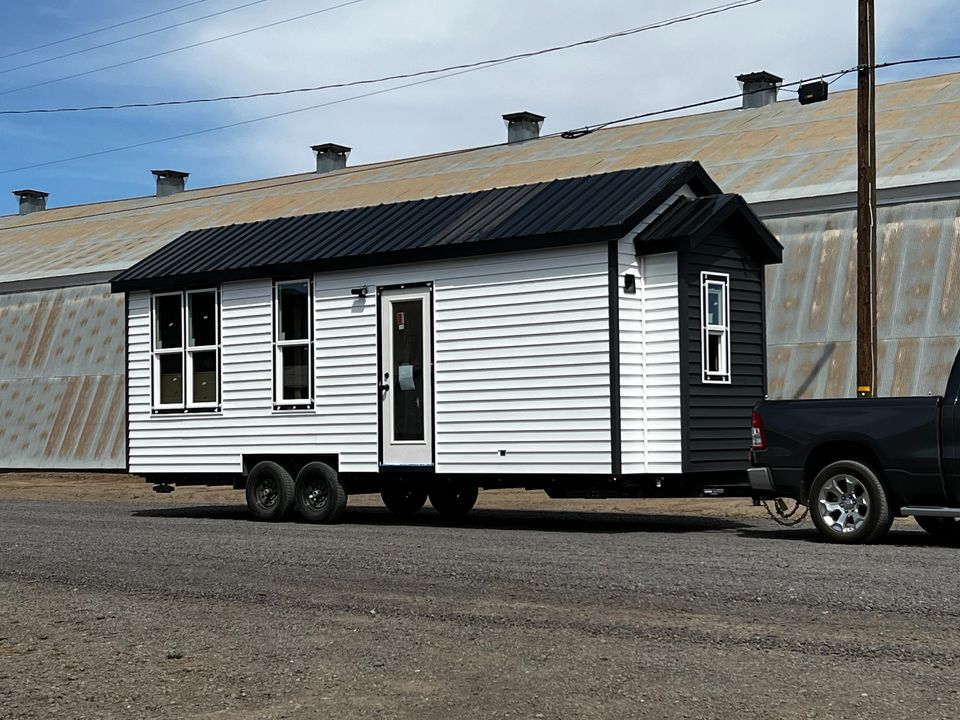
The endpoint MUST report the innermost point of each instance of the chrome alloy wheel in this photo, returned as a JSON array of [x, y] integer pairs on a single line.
[[844, 503]]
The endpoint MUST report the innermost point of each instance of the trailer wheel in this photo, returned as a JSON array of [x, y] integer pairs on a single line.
[[404, 499], [320, 496], [453, 501], [269, 491], [945, 529], [848, 503]]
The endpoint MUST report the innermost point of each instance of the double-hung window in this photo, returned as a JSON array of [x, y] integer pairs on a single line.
[[292, 345], [186, 350], [715, 324]]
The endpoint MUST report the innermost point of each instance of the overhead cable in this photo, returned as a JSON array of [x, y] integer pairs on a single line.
[[128, 38], [566, 134], [179, 49], [402, 76], [99, 30]]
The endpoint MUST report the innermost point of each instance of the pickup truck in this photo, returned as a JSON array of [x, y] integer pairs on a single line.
[[858, 463]]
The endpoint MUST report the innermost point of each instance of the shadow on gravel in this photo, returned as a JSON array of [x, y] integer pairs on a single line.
[[895, 538], [533, 520]]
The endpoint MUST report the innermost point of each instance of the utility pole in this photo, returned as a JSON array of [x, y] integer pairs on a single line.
[[866, 206]]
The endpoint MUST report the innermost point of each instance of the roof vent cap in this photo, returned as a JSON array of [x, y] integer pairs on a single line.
[[31, 200], [523, 126], [759, 89], [330, 157], [170, 182]]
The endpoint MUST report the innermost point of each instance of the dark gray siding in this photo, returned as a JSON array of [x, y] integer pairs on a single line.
[[716, 417]]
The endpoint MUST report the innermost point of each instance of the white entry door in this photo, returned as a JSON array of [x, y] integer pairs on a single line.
[[406, 381]]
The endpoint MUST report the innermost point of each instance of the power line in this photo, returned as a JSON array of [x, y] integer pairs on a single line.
[[586, 130], [88, 33], [241, 123], [403, 76], [567, 134], [444, 73], [131, 37], [260, 186], [180, 49]]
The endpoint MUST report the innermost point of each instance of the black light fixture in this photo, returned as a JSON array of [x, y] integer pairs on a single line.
[[813, 92], [359, 292], [630, 283]]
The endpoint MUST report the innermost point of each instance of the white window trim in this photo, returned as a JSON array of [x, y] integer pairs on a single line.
[[190, 350], [184, 351], [279, 403], [708, 279]]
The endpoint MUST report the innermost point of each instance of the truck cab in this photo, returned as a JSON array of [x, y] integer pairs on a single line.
[[859, 463]]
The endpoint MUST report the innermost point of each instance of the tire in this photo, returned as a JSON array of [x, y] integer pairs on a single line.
[[849, 504], [453, 501], [269, 491], [404, 500], [945, 529], [320, 497]]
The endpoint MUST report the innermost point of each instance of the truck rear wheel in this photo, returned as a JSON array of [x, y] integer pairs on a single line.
[[946, 529], [403, 499], [320, 496], [269, 491], [848, 503], [453, 501]]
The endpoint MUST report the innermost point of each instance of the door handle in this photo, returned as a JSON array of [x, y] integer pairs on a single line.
[[385, 385]]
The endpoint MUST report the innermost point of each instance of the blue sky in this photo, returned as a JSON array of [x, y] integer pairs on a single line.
[[657, 69]]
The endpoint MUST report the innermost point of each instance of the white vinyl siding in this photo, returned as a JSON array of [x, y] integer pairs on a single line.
[[522, 365], [650, 393], [650, 389]]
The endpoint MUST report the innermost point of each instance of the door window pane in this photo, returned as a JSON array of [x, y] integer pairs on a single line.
[[295, 372], [204, 376], [167, 321], [407, 370], [202, 314], [171, 378], [294, 320]]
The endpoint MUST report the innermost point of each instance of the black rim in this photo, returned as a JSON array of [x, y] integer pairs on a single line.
[[268, 493], [316, 495]]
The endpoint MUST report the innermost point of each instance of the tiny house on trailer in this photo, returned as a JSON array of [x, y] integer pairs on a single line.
[[600, 336]]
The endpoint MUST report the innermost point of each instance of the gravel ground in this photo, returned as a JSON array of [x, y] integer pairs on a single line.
[[165, 608]]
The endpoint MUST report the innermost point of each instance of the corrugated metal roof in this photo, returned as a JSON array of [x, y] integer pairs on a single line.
[[579, 209], [783, 150], [685, 217]]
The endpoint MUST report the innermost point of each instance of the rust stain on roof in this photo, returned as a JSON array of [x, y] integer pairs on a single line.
[[776, 151]]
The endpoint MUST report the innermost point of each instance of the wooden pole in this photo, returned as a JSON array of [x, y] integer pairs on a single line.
[[866, 206]]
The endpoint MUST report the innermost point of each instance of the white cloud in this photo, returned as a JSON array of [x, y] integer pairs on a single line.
[[684, 63]]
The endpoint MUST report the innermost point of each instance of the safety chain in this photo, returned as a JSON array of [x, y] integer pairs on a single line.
[[782, 517]]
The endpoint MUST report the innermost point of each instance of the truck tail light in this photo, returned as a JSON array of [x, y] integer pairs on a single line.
[[759, 437]]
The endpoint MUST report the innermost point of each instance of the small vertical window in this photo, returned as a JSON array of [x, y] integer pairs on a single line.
[[203, 349], [715, 324], [293, 345], [186, 350]]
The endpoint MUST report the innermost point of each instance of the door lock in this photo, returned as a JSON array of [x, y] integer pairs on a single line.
[[385, 385]]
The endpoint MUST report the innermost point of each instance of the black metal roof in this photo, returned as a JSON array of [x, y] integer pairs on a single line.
[[692, 219], [595, 207]]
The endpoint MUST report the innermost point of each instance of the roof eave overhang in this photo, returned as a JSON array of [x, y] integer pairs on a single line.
[[352, 262], [770, 251]]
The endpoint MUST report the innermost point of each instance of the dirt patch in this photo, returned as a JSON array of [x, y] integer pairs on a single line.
[[118, 487]]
